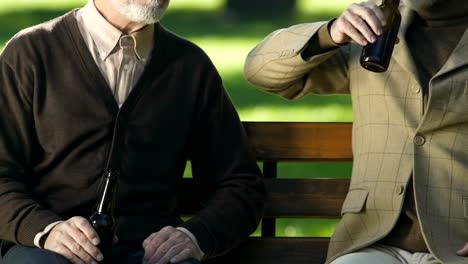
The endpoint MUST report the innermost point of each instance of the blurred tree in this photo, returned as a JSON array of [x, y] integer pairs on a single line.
[[261, 7]]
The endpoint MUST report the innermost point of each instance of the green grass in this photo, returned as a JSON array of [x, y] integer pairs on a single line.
[[318, 6], [227, 40], [305, 227]]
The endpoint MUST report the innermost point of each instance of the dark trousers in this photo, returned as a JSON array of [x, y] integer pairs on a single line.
[[16, 254]]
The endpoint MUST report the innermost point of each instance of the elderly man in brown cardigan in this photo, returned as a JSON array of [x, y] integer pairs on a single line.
[[408, 199], [106, 88]]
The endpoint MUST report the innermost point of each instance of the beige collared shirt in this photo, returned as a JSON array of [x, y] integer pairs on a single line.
[[120, 57]]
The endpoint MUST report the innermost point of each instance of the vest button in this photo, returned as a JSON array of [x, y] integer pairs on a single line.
[[419, 140]]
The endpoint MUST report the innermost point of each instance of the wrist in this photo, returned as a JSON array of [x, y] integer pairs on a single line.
[[193, 238], [326, 38], [332, 36], [41, 237]]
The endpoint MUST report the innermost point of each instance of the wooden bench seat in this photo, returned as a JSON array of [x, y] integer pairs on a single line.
[[289, 198]]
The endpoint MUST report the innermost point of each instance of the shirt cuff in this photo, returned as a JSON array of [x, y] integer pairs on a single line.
[[193, 238], [38, 237]]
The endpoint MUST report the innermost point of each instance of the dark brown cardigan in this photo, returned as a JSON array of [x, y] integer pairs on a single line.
[[58, 118]]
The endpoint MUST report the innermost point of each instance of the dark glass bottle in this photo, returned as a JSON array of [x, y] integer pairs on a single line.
[[376, 56], [102, 219]]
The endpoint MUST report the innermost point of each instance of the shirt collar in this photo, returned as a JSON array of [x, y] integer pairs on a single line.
[[107, 37]]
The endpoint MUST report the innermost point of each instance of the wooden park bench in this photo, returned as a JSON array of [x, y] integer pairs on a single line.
[[290, 198]]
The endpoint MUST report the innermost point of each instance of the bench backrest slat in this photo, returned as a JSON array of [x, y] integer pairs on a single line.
[[305, 197], [297, 141], [287, 197]]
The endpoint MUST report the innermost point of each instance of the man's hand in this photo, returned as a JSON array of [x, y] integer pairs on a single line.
[[360, 23], [169, 245], [76, 240], [463, 251]]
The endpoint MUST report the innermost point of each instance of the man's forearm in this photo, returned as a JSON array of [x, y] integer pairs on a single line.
[[299, 60]]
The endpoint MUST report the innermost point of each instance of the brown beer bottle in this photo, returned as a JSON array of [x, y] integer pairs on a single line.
[[102, 219], [376, 56]]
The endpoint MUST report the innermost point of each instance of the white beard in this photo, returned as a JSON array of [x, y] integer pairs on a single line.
[[149, 13]]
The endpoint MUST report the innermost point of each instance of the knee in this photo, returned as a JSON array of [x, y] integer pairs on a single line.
[[352, 258], [366, 256], [24, 255]]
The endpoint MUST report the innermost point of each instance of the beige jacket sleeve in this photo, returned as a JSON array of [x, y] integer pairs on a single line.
[[276, 64]]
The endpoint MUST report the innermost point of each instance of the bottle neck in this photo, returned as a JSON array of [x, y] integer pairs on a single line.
[[106, 203]]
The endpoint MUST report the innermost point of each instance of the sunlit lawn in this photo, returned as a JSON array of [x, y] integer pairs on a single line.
[[227, 41]]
